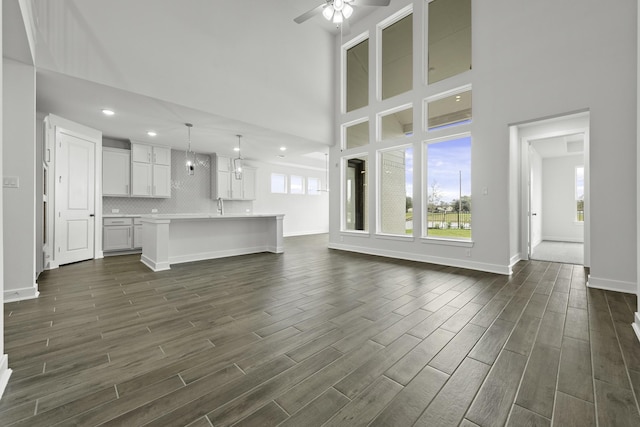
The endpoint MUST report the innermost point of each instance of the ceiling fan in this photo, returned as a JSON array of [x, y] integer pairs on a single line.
[[338, 11]]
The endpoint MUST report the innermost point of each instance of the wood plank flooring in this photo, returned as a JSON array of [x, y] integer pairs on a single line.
[[319, 337]]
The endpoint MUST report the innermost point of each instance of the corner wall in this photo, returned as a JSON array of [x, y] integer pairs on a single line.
[[19, 154]]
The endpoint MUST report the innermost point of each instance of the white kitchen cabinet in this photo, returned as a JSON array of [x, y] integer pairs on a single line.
[[249, 183], [141, 179], [224, 183], [161, 181], [141, 153], [150, 171], [236, 186], [116, 166], [137, 233], [162, 156], [117, 234]]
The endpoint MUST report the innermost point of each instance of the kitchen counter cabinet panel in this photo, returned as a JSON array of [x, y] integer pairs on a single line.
[[174, 239]]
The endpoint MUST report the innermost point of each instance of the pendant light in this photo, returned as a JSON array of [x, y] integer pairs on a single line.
[[190, 155], [237, 162]]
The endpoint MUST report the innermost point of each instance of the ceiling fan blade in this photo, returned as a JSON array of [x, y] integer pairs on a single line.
[[310, 14], [371, 2]]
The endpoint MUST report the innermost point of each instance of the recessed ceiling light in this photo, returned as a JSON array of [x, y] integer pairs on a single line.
[[151, 133], [283, 148], [236, 148], [107, 112]]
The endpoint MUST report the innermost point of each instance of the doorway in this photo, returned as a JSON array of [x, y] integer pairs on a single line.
[[554, 201]]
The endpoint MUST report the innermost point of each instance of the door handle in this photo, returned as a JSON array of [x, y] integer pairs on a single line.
[[534, 214], [92, 215]]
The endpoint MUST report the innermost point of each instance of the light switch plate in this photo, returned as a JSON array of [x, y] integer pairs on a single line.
[[154, 210], [115, 210], [11, 182]]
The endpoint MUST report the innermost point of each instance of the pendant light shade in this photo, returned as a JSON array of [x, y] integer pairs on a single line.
[[237, 162], [190, 155]]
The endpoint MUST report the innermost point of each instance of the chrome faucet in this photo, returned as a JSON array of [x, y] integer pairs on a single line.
[[220, 206]]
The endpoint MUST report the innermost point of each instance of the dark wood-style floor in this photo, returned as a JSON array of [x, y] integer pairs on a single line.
[[320, 337]]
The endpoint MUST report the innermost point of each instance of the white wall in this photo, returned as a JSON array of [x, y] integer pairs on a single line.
[[19, 161], [559, 199], [5, 372], [304, 213], [529, 64]]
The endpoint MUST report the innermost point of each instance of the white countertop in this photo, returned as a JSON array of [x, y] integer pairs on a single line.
[[209, 216], [121, 215]]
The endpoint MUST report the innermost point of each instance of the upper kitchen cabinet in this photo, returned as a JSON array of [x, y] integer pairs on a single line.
[[150, 170], [116, 166], [224, 183]]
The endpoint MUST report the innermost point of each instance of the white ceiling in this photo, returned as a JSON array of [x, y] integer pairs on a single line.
[[227, 66], [559, 146]]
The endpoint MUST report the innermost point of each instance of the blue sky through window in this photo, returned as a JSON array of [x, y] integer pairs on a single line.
[[445, 160]]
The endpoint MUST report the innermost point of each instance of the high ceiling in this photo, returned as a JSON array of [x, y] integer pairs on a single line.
[[227, 66]]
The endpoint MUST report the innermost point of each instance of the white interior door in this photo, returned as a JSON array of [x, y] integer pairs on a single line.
[[535, 199], [75, 199]]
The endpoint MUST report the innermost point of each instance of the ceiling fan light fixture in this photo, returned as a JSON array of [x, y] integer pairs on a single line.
[[337, 18], [327, 12], [347, 11]]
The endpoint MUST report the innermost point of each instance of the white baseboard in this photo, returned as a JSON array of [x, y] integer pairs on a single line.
[[636, 325], [155, 266], [5, 373], [562, 239], [612, 285], [516, 259], [450, 262], [13, 295]]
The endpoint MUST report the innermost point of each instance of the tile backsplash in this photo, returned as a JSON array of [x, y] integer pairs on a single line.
[[189, 193]]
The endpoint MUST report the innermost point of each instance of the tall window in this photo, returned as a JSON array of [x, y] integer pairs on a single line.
[[449, 188], [397, 57], [356, 194], [357, 76], [580, 193], [396, 191], [449, 38]]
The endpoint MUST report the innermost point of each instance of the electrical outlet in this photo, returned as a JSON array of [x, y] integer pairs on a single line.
[[115, 210], [154, 210], [11, 182]]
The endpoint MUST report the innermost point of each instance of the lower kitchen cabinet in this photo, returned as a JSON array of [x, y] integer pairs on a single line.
[[121, 234]]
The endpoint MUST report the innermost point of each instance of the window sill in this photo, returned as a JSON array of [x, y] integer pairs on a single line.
[[356, 233], [447, 242], [396, 237]]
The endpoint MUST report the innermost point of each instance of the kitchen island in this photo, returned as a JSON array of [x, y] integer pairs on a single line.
[[177, 238]]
